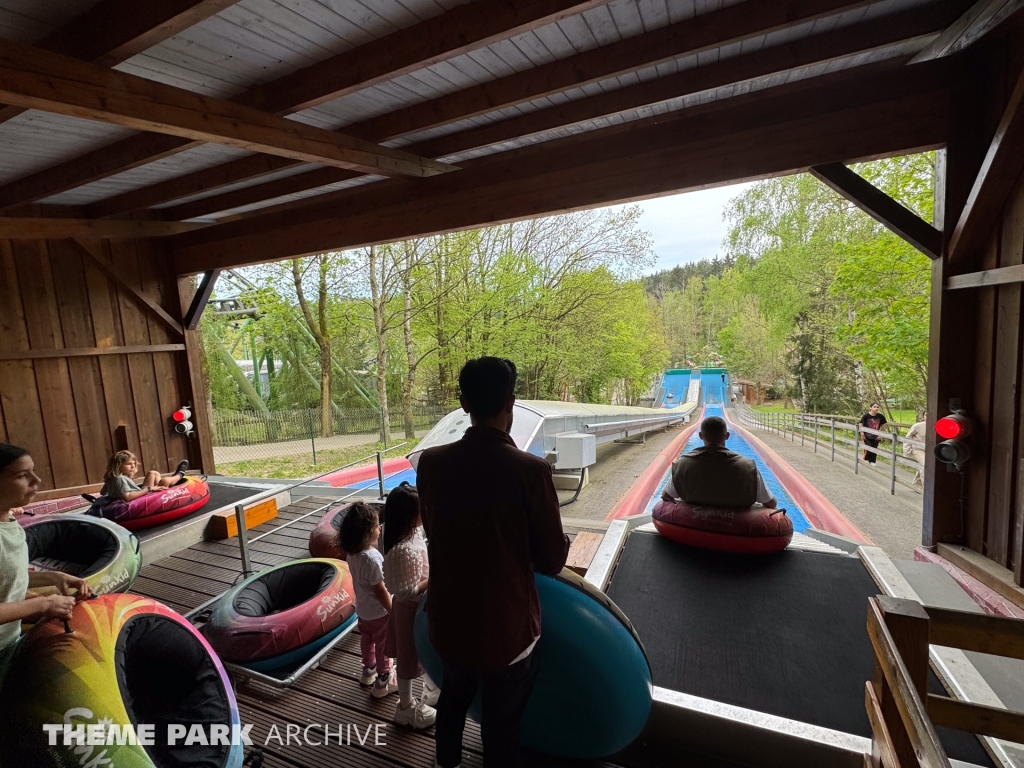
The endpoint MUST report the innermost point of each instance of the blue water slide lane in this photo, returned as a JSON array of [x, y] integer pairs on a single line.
[[742, 447], [675, 386]]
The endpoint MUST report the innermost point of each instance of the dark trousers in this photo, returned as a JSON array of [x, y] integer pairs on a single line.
[[504, 694], [870, 456]]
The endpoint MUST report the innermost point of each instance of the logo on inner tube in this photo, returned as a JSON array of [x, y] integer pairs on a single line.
[[705, 513], [111, 581], [176, 493], [329, 604]]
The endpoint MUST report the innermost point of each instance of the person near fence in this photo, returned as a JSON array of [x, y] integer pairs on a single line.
[[18, 484], [492, 520], [916, 432], [406, 571], [714, 476], [357, 538], [872, 420], [119, 483]]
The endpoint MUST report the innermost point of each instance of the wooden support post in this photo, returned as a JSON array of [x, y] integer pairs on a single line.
[[203, 447], [907, 623]]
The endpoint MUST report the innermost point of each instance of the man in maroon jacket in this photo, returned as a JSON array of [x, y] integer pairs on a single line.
[[491, 516]]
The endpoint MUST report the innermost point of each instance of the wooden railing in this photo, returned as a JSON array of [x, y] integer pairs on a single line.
[[843, 436], [903, 714]]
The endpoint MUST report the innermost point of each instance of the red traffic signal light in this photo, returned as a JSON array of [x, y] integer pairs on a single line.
[[955, 449], [182, 423], [953, 426]]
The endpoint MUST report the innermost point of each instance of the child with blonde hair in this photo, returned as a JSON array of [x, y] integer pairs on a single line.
[[119, 483]]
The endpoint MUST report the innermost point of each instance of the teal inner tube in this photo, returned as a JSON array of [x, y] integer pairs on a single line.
[[103, 553], [593, 694]]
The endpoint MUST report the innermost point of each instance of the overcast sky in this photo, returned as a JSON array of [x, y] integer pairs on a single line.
[[688, 227]]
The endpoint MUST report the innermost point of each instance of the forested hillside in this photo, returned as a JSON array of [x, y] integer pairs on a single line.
[[811, 297]]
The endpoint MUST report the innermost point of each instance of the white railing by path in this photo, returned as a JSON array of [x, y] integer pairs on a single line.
[[842, 435]]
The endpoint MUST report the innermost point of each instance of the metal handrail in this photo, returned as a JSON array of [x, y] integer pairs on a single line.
[[808, 425]]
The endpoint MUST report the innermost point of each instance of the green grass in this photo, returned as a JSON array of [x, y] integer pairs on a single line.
[[301, 464]]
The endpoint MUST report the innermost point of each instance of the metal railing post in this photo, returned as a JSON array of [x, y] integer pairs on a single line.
[[833, 438], [815, 419], [802, 430], [243, 539], [792, 423], [380, 474], [895, 441], [856, 449]]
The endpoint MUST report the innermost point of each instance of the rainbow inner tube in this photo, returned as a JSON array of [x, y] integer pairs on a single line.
[[757, 530], [157, 507], [281, 616], [594, 690], [99, 551], [129, 661], [323, 541]]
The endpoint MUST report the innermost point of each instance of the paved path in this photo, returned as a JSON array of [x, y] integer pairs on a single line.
[[891, 522], [229, 454]]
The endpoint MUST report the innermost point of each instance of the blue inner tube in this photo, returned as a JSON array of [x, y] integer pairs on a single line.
[[593, 694]]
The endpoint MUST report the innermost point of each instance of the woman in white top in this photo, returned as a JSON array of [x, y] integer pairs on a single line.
[[405, 572]]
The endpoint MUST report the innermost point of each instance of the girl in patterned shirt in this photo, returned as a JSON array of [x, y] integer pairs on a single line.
[[405, 571]]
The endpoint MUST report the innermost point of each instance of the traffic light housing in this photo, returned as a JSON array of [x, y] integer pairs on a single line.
[[183, 420], [955, 448]]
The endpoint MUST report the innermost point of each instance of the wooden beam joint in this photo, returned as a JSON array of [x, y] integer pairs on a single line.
[[200, 300]]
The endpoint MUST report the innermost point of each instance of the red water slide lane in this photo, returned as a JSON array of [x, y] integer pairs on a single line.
[[634, 502], [819, 511], [359, 474]]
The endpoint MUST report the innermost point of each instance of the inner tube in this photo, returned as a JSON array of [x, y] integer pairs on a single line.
[[323, 541], [157, 507], [128, 660], [99, 551], [283, 615], [757, 530], [593, 694]]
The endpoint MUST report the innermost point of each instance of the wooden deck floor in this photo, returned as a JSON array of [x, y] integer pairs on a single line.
[[330, 694]]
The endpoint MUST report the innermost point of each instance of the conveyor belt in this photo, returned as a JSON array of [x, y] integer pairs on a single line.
[[783, 634]]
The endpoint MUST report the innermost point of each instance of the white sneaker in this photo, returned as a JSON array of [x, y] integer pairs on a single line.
[[430, 696], [416, 716], [382, 686], [369, 675]]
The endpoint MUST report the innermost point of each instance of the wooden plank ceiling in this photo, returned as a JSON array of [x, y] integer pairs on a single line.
[[276, 123]]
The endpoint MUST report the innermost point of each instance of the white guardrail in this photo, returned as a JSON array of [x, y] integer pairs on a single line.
[[842, 435]]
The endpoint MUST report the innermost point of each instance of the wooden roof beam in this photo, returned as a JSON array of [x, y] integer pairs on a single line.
[[32, 228], [113, 31], [999, 171], [882, 208], [690, 36], [839, 119], [974, 24], [461, 30], [906, 26], [36, 79]]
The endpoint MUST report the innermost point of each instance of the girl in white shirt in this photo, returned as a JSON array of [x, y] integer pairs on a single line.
[[405, 571], [357, 538], [18, 484]]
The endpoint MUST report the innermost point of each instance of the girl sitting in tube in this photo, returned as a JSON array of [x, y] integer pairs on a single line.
[[405, 571], [18, 484], [118, 482]]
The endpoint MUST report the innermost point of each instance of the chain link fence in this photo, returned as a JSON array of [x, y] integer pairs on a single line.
[[292, 443]]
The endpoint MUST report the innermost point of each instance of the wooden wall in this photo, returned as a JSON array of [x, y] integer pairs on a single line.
[[60, 397], [977, 336]]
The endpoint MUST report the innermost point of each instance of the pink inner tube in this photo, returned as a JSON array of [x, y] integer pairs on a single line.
[[281, 609], [163, 507], [753, 530], [323, 540]]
